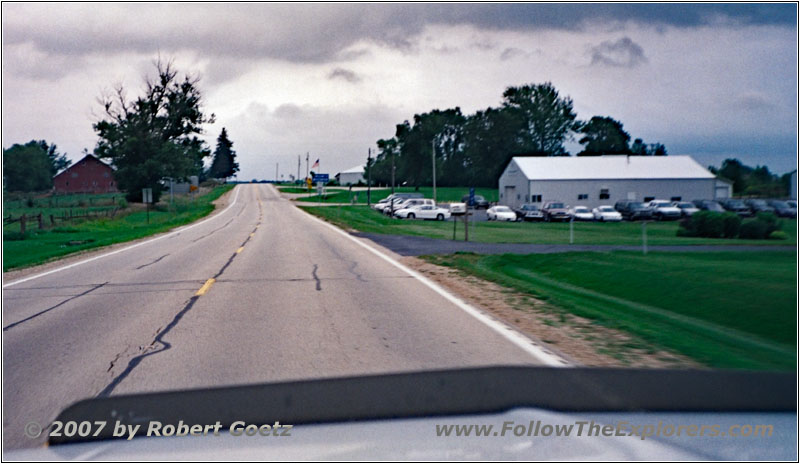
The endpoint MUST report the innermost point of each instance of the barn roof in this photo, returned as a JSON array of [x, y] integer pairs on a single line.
[[611, 167], [81, 161]]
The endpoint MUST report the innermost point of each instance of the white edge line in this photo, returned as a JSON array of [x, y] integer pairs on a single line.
[[509, 333], [169, 234]]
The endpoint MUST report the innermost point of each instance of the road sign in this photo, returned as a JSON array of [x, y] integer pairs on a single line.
[[147, 195], [471, 196], [321, 178]]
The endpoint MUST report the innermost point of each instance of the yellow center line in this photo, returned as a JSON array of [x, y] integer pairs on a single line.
[[240, 250], [252, 233], [206, 286]]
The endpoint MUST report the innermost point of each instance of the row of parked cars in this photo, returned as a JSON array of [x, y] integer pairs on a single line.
[[630, 210], [414, 206]]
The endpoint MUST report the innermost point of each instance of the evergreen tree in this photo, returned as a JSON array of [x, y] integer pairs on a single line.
[[224, 164]]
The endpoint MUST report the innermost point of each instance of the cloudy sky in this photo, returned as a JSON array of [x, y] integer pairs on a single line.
[[710, 80]]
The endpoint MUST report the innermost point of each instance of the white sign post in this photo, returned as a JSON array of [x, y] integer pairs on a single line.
[[147, 198]]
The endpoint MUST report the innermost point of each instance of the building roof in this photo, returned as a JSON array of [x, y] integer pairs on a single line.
[[611, 167], [354, 170], [83, 160]]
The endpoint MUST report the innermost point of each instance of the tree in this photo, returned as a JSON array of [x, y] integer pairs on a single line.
[[639, 148], [154, 136], [31, 167], [224, 164], [547, 120], [604, 136]]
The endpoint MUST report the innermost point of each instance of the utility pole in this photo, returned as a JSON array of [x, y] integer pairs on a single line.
[[276, 173], [433, 159], [392, 183], [369, 176], [298, 167], [306, 165]]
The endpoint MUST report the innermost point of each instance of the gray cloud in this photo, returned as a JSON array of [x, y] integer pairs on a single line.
[[316, 33], [512, 52], [345, 74], [623, 53]]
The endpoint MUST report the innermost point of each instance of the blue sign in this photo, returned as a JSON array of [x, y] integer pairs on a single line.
[[321, 178], [472, 196]]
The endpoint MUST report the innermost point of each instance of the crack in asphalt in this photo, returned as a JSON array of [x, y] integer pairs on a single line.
[[54, 307], [151, 263], [159, 345], [214, 231], [316, 279]]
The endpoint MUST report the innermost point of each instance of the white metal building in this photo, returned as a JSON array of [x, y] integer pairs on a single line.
[[603, 180], [351, 176]]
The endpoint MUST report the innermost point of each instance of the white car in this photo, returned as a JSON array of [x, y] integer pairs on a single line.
[[458, 208], [501, 213], [663, 210], [687, 207], [581, 213], [424, 212], [410, 203], [606, 213]]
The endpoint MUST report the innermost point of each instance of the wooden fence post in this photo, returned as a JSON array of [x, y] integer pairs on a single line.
[[52, 221], [22, 220], [41, 222]]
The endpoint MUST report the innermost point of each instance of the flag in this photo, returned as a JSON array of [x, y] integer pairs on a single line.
[[316, 164]]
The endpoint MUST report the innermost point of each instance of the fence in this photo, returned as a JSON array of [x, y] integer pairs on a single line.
[[66, 216]]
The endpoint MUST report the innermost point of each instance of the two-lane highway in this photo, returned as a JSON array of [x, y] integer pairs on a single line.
[[258, 293]]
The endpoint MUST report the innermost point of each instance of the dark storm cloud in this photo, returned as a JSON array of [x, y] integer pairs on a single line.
[[621, 53], [344, 74], [317, 33]]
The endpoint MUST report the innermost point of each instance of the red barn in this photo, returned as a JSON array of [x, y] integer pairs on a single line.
[[89, 175]]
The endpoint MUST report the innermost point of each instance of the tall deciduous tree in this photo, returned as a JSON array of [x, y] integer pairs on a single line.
[[31, 167], [547, 120], [154, 136], [603, 136], [224, 164]]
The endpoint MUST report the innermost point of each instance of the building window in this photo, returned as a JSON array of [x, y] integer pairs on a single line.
[[527, 198], [583, 196], [604, 195], [675, 199], [105, 174], [646, 199], [518, 197], [536, 198], [501, 196], [74, 175]]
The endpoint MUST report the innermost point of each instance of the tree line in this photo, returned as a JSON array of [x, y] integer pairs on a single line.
[[146, 140], [473, 150], [752, 181]]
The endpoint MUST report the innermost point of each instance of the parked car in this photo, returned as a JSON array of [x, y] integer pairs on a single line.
[[606, 213], [759, 206], [663, 210], [412, 202], [782, 209], [480, 202], [424, 212], [792, 203], [709, 205], [632, 210], [458, 208], [529, 212], [555, 211], [500, 213], [737, 206], [687, 207], [581, 213], [396, 200]]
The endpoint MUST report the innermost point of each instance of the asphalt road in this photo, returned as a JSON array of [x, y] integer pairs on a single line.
[[291, 298]]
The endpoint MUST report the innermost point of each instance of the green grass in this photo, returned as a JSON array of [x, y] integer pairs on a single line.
[[585, 233], [443, 194], [723, 309], [295, 190], [38, 246]]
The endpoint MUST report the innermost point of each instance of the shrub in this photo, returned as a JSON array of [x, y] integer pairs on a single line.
[[122, 203], [754, 229], [29, 202], [731, 224], [14, 236], [770, 220], [703, 224], [778, 235]]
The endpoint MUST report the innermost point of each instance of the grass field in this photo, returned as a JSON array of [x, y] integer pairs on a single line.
[[39, 246], [79, 203], [585, 233], [443, 194], [725, 309]]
